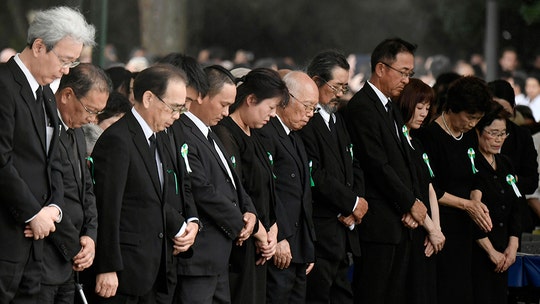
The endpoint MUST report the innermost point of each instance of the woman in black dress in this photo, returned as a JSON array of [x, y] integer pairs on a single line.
[[261, 91], [451, 147], [414, 102], [495, 185]]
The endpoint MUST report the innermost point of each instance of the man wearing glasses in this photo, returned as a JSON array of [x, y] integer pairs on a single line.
[[338, 190], [31, 193], [136, 185], [73, 248], [375, 126], [295, 254]]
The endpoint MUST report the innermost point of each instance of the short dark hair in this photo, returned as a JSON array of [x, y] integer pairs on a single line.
[[85, 77], [387, 51], [494, 111], [196, 78], [415, 92], [217, 77], [264, 83], [323, 63], [156, 80], [502, 89], [120, 78], [469, 94], [117, 103]]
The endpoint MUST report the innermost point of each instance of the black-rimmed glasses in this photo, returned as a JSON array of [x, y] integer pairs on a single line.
[[402, 73], [180, 109]]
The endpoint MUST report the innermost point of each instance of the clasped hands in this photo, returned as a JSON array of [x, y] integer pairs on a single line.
[[42, 224], [357, 215], [416, 216]]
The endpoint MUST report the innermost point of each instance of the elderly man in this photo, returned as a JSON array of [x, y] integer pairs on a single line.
[[30, 167], [135, 189], [338, 203], [82, 95], [375, 126], [295, 251]]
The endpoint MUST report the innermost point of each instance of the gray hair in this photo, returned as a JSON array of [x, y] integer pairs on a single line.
[[54, 24]]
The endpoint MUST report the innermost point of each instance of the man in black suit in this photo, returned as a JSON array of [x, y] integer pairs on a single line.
[[81, 96], [295, 252], [30, 169], [375, 126], [338, 190], [225, 210], [135, 183], [196, 88]]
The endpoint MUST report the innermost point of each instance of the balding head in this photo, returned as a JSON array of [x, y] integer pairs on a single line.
[[304, 98]]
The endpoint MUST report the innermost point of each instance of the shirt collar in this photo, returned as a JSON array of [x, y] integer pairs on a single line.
[[200, 125], [325, 115], [380, 94], [144, 125], [287, 130], [29, 77]]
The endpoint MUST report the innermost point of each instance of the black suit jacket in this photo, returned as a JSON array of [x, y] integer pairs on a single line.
[[29, 177], [132, 208], [338, 182], [220, 205], [292, 191], [79, 210], [388, 168]]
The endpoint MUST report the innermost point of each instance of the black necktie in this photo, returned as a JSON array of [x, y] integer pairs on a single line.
[[332, 125], [153, 145], [390, 107], [39, 106], [292, 136]]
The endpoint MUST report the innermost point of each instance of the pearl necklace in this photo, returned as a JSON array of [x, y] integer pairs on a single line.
[[450, 131]]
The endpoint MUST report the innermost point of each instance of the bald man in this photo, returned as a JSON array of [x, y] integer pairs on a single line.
[[295, 251]]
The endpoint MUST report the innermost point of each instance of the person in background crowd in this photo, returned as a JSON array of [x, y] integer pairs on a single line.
[[453, 153], [31, 184]]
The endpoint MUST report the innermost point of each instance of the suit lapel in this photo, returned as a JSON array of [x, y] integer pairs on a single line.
[[66, 145], [141, 144], [322, 129], [285, 140]]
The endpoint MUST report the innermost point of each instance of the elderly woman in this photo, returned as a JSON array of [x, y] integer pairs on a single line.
[[261, 91], [495, 185], [414, 102], [452, 151]]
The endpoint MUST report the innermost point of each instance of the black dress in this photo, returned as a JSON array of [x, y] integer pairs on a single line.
[[503, 204], [253, 166], [450, 161], [421, 282]]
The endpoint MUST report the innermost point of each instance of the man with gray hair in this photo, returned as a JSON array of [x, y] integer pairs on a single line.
[[31, 188]]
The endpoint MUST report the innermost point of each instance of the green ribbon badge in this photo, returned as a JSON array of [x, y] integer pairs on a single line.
[[91, 161], [175, 179], [472, 154], [351, 151], [184, 152], [271, 159], [426, 160], [310, 177], [233, 161], [511, 180], [405, 131]]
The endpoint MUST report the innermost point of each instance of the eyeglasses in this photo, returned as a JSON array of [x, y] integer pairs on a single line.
[[497, 134], [179, 109], [344, 89], [88, 110], [403, 74], [64, 63], [308, 108]]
